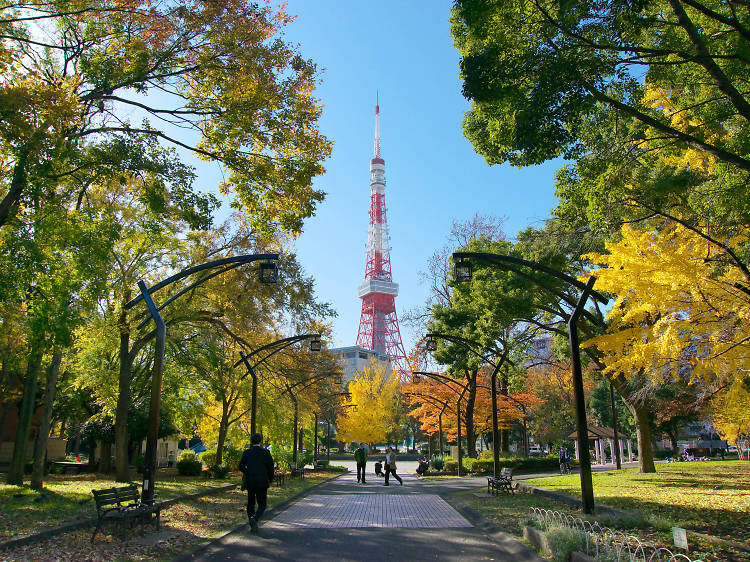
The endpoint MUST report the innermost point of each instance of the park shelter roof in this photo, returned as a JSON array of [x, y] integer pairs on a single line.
[[597, 432]]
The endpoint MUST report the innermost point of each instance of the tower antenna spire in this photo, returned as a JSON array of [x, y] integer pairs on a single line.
[[377, 124]]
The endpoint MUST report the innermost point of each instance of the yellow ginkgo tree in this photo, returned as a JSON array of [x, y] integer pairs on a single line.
[[682, 307], [370, 408]]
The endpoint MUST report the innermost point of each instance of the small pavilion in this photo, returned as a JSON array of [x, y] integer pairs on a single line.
[[600, 436]]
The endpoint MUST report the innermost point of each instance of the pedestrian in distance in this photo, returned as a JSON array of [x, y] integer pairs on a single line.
[[390, 467], [257, 466], [564, 460], [360, 456]]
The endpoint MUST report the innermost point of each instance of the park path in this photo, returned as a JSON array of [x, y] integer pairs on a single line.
[[343, 520]]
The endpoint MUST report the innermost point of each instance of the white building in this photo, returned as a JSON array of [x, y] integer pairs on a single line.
[[355, 358]]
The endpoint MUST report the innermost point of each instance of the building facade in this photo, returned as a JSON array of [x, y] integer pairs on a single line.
[[355, 358]]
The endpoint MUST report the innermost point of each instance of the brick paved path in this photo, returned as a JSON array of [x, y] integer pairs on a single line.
[[346, 521], [371, 510]]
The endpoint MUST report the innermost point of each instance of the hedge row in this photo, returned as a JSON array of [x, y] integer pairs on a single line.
[[519, 463]]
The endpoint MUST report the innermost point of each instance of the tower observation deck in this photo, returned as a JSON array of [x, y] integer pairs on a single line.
[[378, 323]]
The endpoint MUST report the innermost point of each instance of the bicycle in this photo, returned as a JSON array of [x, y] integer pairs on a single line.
[[564, 468]]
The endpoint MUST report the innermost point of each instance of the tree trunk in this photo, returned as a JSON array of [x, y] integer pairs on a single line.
[[504, 433], [77, 442], [40, 447], [672, 438], [471, 437], [105, 458], [92, 453], [123, 398], [3, 416], [15, 470], [641, 414], [9, 203], [223, 428]]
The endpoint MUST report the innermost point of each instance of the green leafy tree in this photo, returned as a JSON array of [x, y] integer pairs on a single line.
[[222, 72]]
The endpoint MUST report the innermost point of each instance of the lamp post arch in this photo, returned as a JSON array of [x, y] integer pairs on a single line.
[[468, 345], [463, 272], [268, 274], [446, 381], [275, 346]]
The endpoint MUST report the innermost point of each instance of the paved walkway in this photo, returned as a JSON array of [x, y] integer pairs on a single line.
[[343, 520]]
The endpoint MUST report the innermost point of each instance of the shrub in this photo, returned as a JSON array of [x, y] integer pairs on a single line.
[[220, 470], [337, 468], [562, 541], [208, 458], [187, 464], [139, 461], [303, 459], [232, 457], [281, 456], [323, 464], [483, 465], [485, 455], [451, 466], [437, 463], [661, 454]]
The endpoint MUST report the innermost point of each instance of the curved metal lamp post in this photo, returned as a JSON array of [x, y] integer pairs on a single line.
[[268, 272], [275, 346], [290, 390], [439, 402], [463, 272], [431, 345], [445, 381]]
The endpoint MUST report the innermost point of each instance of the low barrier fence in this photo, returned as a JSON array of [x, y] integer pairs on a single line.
[[613, 544]]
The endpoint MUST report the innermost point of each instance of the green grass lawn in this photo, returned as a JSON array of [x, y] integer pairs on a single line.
[[709, 497], [68, 498]]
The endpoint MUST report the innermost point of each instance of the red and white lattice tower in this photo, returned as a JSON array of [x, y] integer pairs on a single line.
[[378, 324]]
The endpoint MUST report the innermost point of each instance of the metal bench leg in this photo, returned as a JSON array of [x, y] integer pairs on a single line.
[[96, 529]]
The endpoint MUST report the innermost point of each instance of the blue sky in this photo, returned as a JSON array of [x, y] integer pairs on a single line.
[[404, 50]]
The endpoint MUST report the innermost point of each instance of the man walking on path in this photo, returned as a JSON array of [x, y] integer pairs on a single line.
[[257, 466], [390, 467], [360, 456]]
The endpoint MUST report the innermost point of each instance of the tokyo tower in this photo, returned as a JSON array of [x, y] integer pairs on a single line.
[[378, 324]]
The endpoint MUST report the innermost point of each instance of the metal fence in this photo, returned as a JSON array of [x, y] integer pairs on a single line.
[[605, 541]]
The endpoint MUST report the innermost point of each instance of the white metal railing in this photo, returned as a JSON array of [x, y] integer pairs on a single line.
[[603, 540]]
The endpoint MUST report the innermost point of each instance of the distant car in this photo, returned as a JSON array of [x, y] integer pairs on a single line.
[[731, 449], [535, 450]]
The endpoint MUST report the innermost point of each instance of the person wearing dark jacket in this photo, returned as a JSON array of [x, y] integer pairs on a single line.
[[360, 455], [257, 466]]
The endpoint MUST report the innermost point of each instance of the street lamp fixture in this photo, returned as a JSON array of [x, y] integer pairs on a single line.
[[269, 272], [430, 344], [462, 271], [315, 345]]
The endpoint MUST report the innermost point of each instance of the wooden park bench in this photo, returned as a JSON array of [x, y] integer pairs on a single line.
[[503, 483], [124, 505], [278, 478], [295, 472]]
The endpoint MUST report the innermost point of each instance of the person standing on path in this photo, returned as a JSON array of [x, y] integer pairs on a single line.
[[390, 467], [360, 456], [257, 466]]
